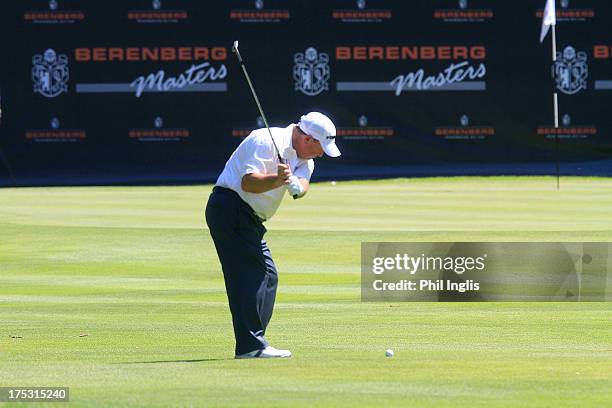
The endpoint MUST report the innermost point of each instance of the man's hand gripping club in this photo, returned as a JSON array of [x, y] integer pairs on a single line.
[[294, 186]]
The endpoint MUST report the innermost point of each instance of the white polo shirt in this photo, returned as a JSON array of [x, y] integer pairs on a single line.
[[256, 154]]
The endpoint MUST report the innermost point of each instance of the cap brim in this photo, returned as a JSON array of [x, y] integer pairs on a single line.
[[331, 150]]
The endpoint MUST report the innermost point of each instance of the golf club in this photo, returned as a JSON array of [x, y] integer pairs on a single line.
[[261, 112]]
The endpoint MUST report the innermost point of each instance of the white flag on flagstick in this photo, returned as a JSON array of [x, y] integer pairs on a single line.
[[549, 18]]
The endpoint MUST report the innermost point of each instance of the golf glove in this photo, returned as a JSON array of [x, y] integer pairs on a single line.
[[295, 187]]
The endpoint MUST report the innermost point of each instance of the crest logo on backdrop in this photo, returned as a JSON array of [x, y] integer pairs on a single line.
[[311, 72], [566, 120], [571, 71], [158, 122], [363, 121], [50, 73]]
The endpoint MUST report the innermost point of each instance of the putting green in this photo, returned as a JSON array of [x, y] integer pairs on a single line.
[[117, 294]]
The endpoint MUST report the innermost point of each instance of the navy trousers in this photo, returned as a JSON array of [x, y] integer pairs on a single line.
[[248, 269]]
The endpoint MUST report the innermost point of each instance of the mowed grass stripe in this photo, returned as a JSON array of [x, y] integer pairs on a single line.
[[400, 204]]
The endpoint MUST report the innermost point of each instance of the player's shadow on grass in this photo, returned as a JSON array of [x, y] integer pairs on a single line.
[[176, 361]]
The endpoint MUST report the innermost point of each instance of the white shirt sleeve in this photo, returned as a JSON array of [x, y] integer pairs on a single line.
[[305, 170], [257, 157]]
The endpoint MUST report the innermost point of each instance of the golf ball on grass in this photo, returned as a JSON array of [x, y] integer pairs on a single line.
[[388, 353]]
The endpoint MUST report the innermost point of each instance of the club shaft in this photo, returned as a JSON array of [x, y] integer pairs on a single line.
[[261, 112]]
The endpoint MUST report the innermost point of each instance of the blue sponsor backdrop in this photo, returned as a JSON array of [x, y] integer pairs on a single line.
[[149, 92]]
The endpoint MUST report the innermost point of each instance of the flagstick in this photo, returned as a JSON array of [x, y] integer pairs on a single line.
[[556, 103]]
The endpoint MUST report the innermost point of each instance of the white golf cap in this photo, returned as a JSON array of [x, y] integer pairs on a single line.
[[321, 127]]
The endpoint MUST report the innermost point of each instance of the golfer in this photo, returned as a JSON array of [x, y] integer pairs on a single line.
[[248, 193]]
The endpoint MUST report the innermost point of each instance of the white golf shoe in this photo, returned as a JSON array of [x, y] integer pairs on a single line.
[[268, 352]]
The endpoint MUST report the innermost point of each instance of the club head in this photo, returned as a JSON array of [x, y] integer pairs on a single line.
[[235, 46]]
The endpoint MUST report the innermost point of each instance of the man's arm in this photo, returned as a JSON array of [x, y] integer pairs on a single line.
[[260, 183], [303, 173]]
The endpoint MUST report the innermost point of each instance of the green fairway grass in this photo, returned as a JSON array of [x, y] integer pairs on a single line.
[[117, 293]]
